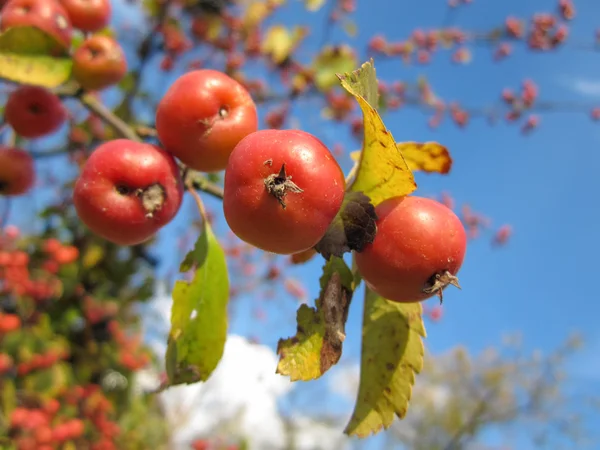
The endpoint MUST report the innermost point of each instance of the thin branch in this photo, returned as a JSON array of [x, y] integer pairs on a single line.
[[195, 180], [95, 106]]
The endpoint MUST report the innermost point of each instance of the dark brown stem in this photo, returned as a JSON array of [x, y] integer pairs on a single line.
[[278, 184], [438, 282]]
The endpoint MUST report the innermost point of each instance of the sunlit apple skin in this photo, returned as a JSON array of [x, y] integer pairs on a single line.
[[34, 112], [416, 239], [46, 15], [88, 15], [256, 216], [203, 116], [99, 63], [112, 196], [17, 171]]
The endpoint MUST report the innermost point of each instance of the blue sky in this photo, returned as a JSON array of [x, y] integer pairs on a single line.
[[545, 185]]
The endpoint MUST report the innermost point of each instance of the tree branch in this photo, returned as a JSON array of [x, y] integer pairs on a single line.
[[195, 180], [95, 106]]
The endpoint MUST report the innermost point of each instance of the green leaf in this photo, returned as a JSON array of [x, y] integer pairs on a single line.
[[199, 313], [35, 70], [317, 345], [352, 228], [30, 56], [9, 396], [30, 41], [392, 353], [48, 383], [330, 61], [382, 170]]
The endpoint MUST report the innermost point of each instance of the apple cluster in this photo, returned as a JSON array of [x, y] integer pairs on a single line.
[[283, 189], [45, 426], [33, 111], [59, 335]]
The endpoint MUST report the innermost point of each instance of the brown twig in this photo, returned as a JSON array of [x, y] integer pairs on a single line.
[[95, 106]]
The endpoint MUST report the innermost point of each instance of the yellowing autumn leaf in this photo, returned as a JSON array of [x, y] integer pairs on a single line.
[[331, 61], [256, 12], [30, 56], [279, 43], [392, 353], [427, 157], [35, 70], [317, 345], [382, 170], [313, 5]]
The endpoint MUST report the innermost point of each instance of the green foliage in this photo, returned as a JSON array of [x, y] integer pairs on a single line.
[[76, 345], [30, 56], [199, 313]]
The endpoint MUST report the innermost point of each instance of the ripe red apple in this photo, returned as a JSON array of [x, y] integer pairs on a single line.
[[203, 116], [47, 15], [33, 111], [127, 191], [418, 250], [88, 15], [17, 172], [99, 62], [282, 190]]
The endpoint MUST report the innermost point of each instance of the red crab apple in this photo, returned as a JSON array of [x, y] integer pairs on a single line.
[[202, 117], [283, 189], [88, 15], [127, 191], [33, 111], [46, 15], [99, 62], [17, 172], [418, 249]]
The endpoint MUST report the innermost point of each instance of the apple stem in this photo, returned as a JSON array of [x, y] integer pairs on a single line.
[[278, 185], [437, 282]]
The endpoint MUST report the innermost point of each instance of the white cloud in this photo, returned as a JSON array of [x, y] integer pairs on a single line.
[[344, 381], [240, 399], [586, 87]]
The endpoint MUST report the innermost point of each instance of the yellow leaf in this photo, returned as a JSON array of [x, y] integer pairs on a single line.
[[279, 43], [350, 28], [30, 56], [382, 171], [392, 353], [215, 26], [26, 40], [317, 345], [427, 157], [313, 5], [256, 12], [92, 256], [36, 70], [331, 61]]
